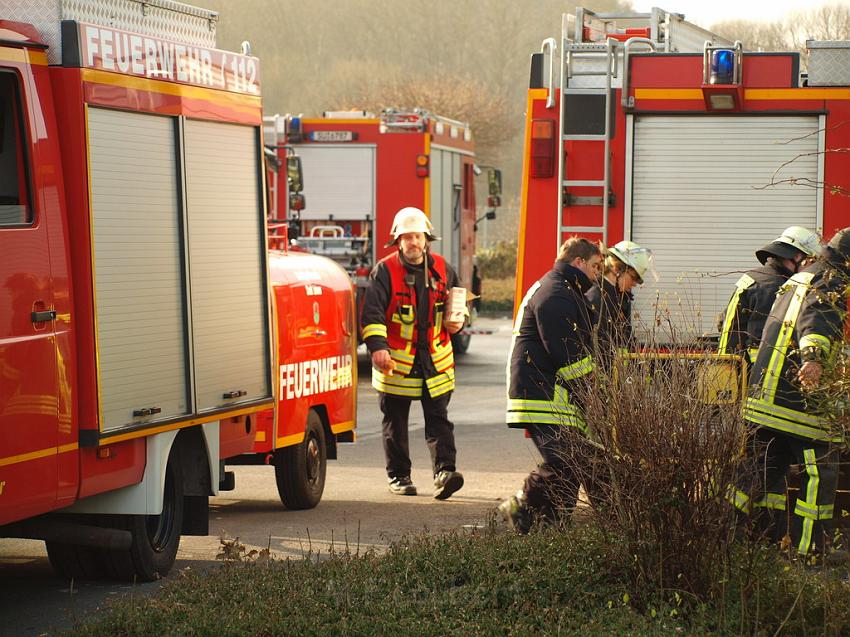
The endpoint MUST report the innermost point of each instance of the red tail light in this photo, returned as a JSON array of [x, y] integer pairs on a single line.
[[542, 148], [296, 201]]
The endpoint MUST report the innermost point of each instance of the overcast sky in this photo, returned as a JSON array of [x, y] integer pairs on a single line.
[[708, 12]]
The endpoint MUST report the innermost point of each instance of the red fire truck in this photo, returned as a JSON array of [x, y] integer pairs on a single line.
[[146, 334], [667, 135], [361, 169]]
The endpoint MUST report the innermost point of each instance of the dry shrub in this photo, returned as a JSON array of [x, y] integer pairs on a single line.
[[666, 451]]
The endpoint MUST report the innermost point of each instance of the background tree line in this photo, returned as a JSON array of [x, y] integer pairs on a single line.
[[464, 60]]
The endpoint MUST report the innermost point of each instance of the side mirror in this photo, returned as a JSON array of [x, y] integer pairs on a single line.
[[494, 182], [294, 174], [491, 214]]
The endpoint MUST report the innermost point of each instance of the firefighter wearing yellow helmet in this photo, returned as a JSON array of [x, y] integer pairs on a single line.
[[626, 264], [743, 321], [409, 340]]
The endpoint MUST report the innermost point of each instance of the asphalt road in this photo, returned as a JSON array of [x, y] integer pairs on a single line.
[[357, 511]]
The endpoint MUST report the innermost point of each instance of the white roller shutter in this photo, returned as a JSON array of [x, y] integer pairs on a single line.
[[339, 181], [138, 270], [226, 264], [697, 203]]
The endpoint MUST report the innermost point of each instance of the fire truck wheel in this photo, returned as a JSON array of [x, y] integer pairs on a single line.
[[155, 537], [300, 469], [460, 343]]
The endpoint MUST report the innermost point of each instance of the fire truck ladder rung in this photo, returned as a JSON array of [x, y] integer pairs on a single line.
[[597, 138], [584, 182], [585, 229]]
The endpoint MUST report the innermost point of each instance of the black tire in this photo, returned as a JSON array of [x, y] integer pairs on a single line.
[[155, 537], [71, 561], [300, 469]]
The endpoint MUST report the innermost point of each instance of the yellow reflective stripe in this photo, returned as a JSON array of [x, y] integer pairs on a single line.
[[801, 282], [739, 499], [375, 329], [811, 496], [542, 418], [398, 390], [545, 406], [444, 364], [786, 413], [742, 284], [446, 377], [752, 353], [577, 369], [780, 424], [402, 355], [818, 341], [406, 325], [813, 511], [442, 389], [399, 381], [774, 501]]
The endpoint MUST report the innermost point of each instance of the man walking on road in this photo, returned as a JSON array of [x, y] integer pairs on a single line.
[[803, 333], [409, 340], [550, 353]]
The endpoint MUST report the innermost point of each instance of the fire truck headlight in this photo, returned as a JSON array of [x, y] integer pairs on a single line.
[[722, 102], [722, 66]]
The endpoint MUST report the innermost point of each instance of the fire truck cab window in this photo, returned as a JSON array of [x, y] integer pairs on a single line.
[[14, 200]]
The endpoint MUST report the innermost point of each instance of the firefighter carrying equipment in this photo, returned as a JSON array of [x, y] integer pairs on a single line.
[[411, 219], [793, 241], [406, 331], [550, 350], [637, 258]]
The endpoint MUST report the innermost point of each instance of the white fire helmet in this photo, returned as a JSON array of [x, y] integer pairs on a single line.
[[637, 258], [411, 220], [799, 239]]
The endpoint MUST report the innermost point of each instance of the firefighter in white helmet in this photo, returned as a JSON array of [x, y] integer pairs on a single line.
[[409, 340], [626, 264], [743, 321], [786, 415]]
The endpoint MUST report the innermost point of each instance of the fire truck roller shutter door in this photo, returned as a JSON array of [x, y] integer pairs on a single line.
[[695, 200], [227, 264], [138, 268], [339, 181]]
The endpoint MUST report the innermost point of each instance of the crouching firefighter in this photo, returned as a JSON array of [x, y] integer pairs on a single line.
[[411, 349], [550, 354], [788, 425]]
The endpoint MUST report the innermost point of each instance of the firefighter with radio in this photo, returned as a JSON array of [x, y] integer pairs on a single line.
[[803, 332], [550, 355], [409, 340], [745, 316], [625, 265]]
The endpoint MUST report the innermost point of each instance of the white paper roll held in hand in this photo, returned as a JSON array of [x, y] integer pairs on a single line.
[[456, 306]]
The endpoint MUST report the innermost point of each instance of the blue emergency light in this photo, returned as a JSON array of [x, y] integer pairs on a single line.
[[722, 66]]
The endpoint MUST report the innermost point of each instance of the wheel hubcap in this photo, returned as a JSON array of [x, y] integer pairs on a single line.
[[313, 460]]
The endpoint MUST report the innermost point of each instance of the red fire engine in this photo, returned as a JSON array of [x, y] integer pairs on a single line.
[[664, 134], [361, 169], [145, 332]]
